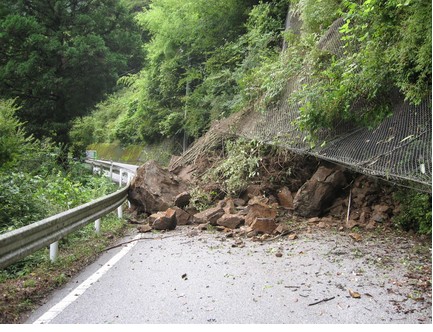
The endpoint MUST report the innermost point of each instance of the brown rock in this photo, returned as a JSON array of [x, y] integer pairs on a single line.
[[285, 198], [229, 208], [144, 228], [356, 236], [264, 225], [371, 225], [182, 217], [231, 221], [252, 190], [155, 216], [351, 223], [282, 228], [209, 216], [239, 202], [182, 199], [154, 189], [319, 192], [259, 209], [313, 220], [292, 237], [165, 221], [381, 208]]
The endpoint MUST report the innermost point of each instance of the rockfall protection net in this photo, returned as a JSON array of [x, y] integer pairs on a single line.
[[399, 149]]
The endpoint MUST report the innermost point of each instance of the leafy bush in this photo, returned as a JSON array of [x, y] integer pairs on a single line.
[[13, 140], [240, 165], [415, 211], [35, 179]]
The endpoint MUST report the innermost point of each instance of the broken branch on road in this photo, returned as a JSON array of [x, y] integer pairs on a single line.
[[324, 300]]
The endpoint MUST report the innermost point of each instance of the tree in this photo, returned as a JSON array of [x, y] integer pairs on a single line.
[[13, 140], [58, 58], [184, 36]]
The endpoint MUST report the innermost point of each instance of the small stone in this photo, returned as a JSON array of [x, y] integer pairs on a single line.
[[313, 220], [279, 254], [285, 198], [144, 228], [292, 236], [351, 223], [356, 236]]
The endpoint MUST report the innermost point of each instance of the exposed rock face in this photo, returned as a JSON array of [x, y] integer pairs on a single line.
[[154, 189], [318, 192]]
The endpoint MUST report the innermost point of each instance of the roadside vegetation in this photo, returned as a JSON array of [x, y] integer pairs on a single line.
[[37, 181]]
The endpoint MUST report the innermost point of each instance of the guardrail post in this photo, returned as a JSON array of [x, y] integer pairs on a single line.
[[54, 251], [98, 226], [111, 170], [120, 178], [128, 183], [120, 212]]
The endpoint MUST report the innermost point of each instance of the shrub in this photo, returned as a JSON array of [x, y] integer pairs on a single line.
[[416, 211]]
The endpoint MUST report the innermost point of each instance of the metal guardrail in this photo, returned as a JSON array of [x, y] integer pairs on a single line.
[[19, 243]]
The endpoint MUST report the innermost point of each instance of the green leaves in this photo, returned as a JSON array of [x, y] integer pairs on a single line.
[[60, 57], [13, 140]]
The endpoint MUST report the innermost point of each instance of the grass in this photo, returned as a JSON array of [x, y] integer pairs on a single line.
[[24, 285]]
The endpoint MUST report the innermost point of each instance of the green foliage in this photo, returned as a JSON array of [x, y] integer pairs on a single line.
[[33, 184], [317, 15], [13, 139], [206, 60], [393, 37], [239, 167], [60, 57], [415, 211], [387, 48]]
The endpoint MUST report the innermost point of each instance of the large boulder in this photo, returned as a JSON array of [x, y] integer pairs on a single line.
[[319, 192], [154, 189]]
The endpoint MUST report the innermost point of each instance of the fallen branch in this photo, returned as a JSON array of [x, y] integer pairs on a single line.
[[324, 300], [285, 233], [142, 238]]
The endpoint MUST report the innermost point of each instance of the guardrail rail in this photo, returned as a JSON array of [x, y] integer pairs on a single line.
[[19, 243]]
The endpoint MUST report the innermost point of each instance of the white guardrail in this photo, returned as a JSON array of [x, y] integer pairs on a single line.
[[19, 243]]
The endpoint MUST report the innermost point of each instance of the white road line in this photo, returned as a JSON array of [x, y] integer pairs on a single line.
[[47, 317]]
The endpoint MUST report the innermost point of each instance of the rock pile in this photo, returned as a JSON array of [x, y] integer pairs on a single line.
[[330, 198]]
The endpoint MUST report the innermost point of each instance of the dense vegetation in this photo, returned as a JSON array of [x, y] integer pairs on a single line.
[[207, 59], [35, 180], [59, 57]]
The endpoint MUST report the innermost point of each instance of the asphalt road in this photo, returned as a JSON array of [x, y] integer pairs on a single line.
[[190, 277]]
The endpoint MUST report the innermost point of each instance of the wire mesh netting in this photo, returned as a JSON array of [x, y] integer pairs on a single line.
[[399, 149]]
